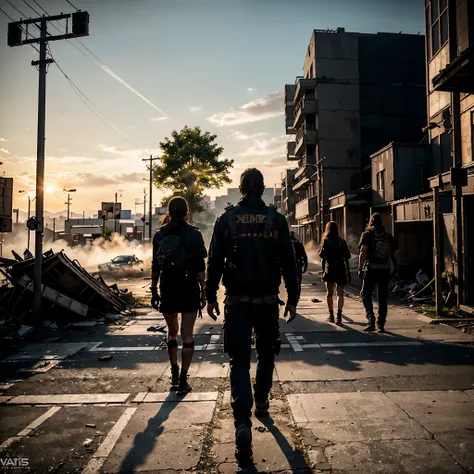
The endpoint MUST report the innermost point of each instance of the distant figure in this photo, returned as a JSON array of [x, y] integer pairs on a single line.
[[178, 263], [301, 258], [251, 248], [335, 256], [377, 248]]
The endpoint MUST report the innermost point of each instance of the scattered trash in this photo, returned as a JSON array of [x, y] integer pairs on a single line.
[[105, 357], [87, 442], [90, 425], [156, 329], [25, 330], [112, 316], [315, 300], [261, 429]]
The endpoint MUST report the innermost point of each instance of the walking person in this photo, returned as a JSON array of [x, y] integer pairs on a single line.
[[251, 248], [301, 259], [179, 266], [335, 256], [377, 249]]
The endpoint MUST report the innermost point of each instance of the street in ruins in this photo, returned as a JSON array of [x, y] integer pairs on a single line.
[[343, 401]]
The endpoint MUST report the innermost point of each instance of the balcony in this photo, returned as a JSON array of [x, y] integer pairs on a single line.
[[306, 135], [306, 208], [306, 106], [290, 151], [290, 94], [303, 85], [457, 76], [305, 171]]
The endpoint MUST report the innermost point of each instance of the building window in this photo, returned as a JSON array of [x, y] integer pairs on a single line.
[[381, 184], [437, 28]]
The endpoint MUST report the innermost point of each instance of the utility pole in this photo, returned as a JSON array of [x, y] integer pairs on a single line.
[[54, 229], [29, 212], [115, 213], [150, 200], [80, 27], [144, 216]]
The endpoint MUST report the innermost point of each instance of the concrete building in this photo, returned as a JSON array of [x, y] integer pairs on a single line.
[[450, 96], [358, 93], [233, 197]]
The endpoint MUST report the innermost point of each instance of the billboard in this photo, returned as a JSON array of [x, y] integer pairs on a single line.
[[125, 214]]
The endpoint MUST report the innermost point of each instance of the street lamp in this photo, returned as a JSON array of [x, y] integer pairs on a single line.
[[115, 209], [69, 199], [29, 211]]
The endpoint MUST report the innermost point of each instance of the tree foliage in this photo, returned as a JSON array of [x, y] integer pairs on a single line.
[[190, 164]]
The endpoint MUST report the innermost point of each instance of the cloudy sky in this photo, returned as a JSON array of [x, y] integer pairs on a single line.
[[153, 66]]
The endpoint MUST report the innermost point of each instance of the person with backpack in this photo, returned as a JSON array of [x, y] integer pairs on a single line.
[[301, 259], [377, 249], [179, 264], [251, 248], [335, 256]]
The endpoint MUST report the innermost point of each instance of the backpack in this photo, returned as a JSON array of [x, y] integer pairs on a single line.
[[172, 254], [381, 250]]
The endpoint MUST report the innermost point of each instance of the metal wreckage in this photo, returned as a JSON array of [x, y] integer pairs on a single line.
[[69, 292]]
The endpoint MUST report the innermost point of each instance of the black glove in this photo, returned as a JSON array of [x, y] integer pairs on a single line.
[[155, 299]]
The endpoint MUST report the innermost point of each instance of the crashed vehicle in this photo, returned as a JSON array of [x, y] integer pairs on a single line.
[[125, 263]]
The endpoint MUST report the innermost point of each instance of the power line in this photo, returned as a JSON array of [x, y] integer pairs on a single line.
[[94, 109], [28, 5], [72, 5], [36, 3], [15, 8]]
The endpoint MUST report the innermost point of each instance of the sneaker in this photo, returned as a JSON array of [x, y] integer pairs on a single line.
[[261, 408], [243, 445], [369, 328], [183, 387], [174, 375]]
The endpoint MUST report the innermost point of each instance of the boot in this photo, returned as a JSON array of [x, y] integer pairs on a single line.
[[261, 408], [183, 387], [330, 318], [381, 326], [243, 445], [370, 324], [339, 317], [174, 375]]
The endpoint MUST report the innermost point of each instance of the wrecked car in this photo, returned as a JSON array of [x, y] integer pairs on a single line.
[[122, 263]]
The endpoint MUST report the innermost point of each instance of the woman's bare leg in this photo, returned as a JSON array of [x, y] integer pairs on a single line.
[[172, 340], [330, 293], [340, 297], [187, 333]]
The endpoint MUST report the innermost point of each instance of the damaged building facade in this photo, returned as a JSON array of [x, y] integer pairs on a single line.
[[450, 98], [358, 93]]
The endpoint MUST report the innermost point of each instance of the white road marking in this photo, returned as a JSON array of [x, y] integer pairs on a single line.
[[73, 398], [100, 456], [173, 397], [32, 426], [140, 397], [370, 344], [123, 349], [295, 345]]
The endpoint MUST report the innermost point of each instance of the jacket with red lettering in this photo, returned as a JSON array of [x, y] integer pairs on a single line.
[[251, 265]]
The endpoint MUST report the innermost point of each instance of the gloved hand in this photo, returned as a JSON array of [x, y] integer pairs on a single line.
[[213, 308], [202, 300], [155, 298], [291, 310]]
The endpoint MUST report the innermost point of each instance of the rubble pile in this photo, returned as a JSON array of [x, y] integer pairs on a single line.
[[419, 290], [69, 292]]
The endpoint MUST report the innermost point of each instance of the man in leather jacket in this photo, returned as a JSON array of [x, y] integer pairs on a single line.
[[251, 248]]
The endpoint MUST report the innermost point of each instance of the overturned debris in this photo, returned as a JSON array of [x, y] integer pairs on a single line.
[[66, 286]]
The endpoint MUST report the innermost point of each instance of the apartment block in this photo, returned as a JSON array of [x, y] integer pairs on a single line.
[[450, 97], [358, 93]]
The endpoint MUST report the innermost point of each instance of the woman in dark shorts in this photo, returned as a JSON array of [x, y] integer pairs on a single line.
[[178, 263], [335, 256]]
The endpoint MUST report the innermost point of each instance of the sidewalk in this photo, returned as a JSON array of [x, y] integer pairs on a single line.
[[343, 401]]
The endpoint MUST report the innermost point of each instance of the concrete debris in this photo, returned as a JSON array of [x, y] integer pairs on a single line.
[[106, 357], [87, 442], [156, 329], [113, 317]]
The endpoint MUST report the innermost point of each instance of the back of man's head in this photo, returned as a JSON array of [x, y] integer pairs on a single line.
[[252, 183]]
